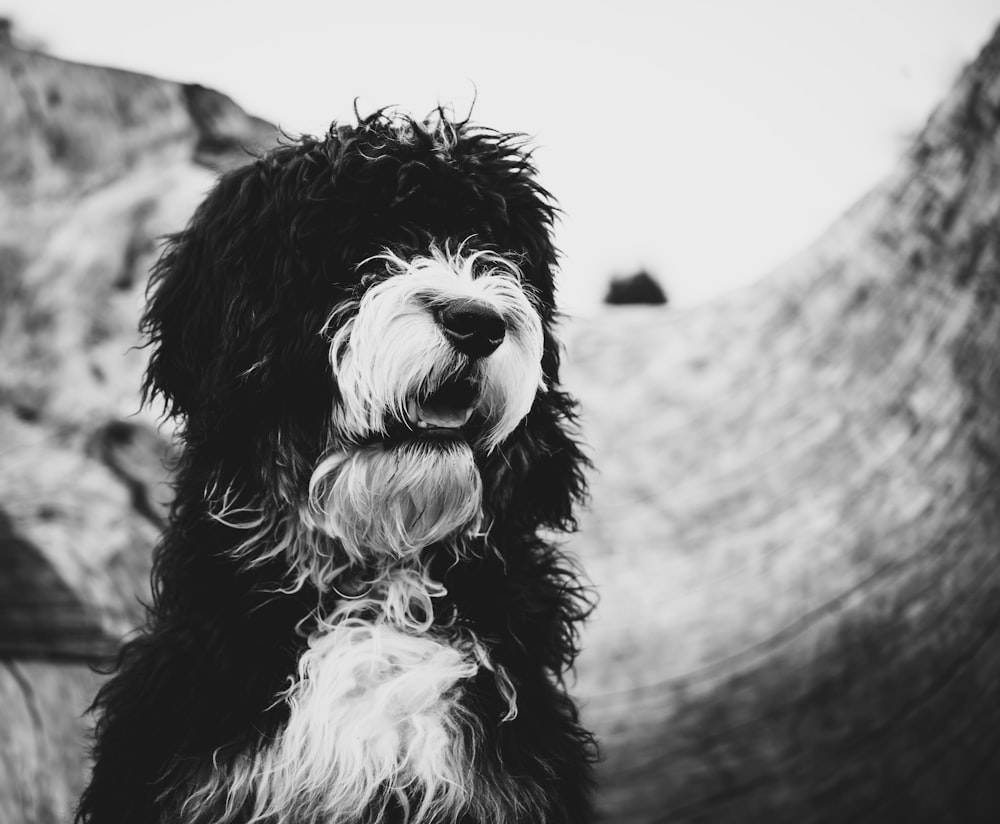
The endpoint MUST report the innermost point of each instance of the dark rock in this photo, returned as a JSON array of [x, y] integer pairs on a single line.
[[635, 289]]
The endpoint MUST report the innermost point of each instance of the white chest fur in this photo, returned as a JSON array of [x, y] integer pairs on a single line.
[[374, 714], [375, 717]]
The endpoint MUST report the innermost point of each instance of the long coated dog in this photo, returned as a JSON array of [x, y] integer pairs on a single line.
[[358, 611]]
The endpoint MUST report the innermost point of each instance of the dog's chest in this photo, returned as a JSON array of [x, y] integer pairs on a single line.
[[376, 719]]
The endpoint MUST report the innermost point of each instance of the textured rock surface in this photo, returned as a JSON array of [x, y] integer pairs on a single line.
[[797, 521]]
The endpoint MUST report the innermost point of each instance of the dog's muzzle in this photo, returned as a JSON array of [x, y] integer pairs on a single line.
[[444, 348], [436, 366]]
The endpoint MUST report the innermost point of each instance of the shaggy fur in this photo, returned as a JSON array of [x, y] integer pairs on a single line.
[[356, 617]]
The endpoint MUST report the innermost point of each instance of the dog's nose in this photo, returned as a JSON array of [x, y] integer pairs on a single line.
[[473, 327]]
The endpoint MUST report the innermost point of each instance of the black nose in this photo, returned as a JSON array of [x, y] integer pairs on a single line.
[[473, 327]]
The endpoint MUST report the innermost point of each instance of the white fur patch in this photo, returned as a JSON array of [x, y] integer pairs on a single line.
[[392, 349], [374, 715], [394, 500]]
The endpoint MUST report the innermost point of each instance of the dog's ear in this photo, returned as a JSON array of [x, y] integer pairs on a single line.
[[230, 293], [536, 478], [237, 304]]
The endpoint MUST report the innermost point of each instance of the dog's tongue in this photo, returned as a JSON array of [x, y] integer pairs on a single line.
[[444, 416], [448, 408]]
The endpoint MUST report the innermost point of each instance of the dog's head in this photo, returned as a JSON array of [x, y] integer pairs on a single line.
[[358, 335]]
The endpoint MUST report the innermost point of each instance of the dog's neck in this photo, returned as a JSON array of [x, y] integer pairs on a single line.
[[401, 593]]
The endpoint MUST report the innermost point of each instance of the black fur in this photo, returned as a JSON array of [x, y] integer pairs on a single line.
[[236, 305]]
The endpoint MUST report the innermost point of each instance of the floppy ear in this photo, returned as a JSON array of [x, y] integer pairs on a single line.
[[185, 299], [537, 476], [236, 307], [215, 292]]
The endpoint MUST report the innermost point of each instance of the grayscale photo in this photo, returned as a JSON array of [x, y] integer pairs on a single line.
[[500, 414]]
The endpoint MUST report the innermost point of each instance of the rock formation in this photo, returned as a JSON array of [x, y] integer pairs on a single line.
[[796, 525], [635, 289]]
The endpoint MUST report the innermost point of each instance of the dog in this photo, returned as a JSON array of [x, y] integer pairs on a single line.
[[359, 613]]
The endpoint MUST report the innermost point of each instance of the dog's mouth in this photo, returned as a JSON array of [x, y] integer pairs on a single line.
[[446, 410]]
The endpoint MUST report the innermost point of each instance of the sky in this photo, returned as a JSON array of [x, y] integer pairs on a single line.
[[705, 141]]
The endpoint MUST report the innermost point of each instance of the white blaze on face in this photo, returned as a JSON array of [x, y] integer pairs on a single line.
[[393, 351]]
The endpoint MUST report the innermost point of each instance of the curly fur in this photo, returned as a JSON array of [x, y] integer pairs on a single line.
[[354, 620]]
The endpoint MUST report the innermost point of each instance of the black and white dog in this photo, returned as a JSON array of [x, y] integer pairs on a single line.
[[355, 618]]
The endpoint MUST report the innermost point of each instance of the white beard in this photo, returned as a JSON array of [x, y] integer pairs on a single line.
[[390, 501]]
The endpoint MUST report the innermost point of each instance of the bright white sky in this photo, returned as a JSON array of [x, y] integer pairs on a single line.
[[706, 140]]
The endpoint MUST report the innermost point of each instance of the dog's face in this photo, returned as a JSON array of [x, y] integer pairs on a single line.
[[358, 335], [436, 364]]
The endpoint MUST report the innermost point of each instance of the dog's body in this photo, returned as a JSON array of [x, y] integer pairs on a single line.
[[354, 617]]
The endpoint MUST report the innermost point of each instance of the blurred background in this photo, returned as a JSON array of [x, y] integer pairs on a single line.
[[656, 124], [795, 522]]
